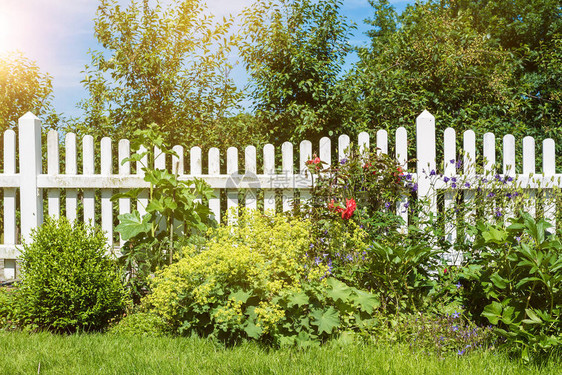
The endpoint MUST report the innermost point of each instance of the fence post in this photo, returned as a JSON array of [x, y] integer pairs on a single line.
[[426, 154], [31, 200]]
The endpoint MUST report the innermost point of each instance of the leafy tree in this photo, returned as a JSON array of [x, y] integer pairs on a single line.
[[23, 88], [458, 62], [294, 51], [437, 62], [167, 65]]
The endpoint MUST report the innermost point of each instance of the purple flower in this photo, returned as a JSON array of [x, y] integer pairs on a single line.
[[458, 285], [343, 161], [432, 173], [508, 195], [446, 179], [453, 185], [497, 177], [509, 179], [408, 176], [491, 195], [484, 180], [498, 213], [459, 164], [407, 204], [452, 161], [387, 205], [415, 188], [454, 179], [467, 185]]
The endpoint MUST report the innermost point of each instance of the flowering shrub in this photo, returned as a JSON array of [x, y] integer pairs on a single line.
[[254, 280]]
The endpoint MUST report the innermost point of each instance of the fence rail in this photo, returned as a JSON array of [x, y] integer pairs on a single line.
[[91, 190]]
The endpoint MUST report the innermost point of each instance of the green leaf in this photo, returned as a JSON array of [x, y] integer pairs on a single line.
[[299, 299], [131, 225], [252, 330], [493, 312], [338, 290], [499, 282], [533, 318], [325, 320], [366, 301], [240, 295]]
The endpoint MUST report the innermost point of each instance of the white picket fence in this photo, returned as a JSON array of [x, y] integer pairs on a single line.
[[271, 177]]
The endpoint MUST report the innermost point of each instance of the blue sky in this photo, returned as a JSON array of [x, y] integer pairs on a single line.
[[57, 35]]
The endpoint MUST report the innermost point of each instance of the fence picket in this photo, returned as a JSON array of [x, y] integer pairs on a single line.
[[508, 169], [489, 154], [549, 169], [10, 193], [71, 169], [449, 171], [402, 159], [382, 142], [343, 146], [88, 170], [215, 169], [529, 170], [53, 195], [124, 170], [142, 198], [106, 169], [288, 171], [269, 170], [425, 147], [305, 155], [250, 172]]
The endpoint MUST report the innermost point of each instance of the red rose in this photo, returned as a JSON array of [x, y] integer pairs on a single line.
[[350, 208]]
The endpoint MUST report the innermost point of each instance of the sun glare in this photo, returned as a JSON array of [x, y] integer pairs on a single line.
[[6, 32]]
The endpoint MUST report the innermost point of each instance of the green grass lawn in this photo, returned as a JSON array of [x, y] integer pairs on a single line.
[[109, 354]]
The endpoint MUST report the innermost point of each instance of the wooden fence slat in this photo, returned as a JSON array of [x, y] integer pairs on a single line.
[[425, 149], [10, 193], [529, 170], [177, 161], [214, 169], [449, 171], [106, 169], [549, 169], [250, 172], [489, 154], [124, 170], [343, 146], [325, 153], [10, 231], [71, 169], [382, 142], [469, 170], [508, 169], [195, 161], [142, 198], [363, 141], [232, 194], [401, 139], [88, 170], [269, 169], [287, 167], [305, 155], [53, 195]]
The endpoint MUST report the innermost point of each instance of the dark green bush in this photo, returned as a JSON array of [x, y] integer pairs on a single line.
[[513, 280], [68, 283]]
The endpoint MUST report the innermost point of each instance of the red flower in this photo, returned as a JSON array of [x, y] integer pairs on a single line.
[[444, 271], [314, 161], [350, 208]]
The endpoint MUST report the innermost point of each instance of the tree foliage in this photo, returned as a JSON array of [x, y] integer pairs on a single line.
[[23, 88], [484, 67], [164, 65], [294, 51]]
